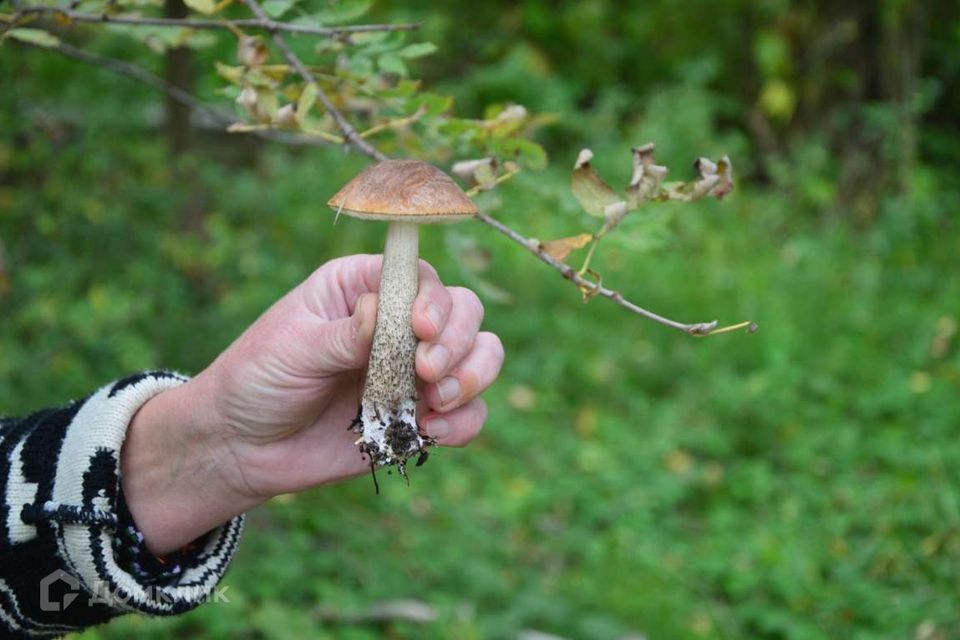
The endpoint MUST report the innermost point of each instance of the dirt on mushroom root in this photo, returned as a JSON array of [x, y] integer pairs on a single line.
[[403, 441]]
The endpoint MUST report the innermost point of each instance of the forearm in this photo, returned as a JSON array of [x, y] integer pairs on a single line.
[[67, 559], [175, 463]]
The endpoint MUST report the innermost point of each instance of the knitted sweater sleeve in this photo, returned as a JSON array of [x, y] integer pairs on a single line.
[[65, 530]]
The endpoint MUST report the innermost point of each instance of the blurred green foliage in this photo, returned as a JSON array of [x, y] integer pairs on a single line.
[[799, 483]]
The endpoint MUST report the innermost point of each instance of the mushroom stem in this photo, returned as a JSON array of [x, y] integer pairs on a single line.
[[387, 417]]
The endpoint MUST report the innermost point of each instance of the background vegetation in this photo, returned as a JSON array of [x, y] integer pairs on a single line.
[[797, 483]]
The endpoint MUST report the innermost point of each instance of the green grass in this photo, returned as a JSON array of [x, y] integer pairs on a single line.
[[797, 483]]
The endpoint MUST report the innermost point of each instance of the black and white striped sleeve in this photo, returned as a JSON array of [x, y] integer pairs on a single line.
[[61, 568]]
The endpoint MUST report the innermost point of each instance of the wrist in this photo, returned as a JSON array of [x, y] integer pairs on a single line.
[[175, 468]]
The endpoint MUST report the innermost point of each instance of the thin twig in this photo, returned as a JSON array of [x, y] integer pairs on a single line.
[[394, 124], [139, 74], [265, 24], [594, 289], [325, 136], [348, 131], [486, 186], [142, 75]]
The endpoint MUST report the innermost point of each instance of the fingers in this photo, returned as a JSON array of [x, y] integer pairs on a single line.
[[333, 290], [470, 378], [432, 307], [336, 346], [437, 357], [458, 427], [445, 319]]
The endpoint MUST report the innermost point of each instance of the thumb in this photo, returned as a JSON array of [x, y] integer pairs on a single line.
[[344, 344]]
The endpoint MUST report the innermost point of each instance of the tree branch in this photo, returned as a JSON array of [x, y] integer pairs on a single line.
[[595, 289], [139, 74], [349, 132], [589, 288], [357, 140], [265, 24]]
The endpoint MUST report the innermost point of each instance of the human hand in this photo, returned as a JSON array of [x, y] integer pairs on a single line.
[[270, 415]]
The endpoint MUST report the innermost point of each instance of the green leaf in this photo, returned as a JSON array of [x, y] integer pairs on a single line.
[[482, 171], [461, 126], [417, 50], [229, 73], [201, 6], [509, 119], [361, 66], [37, 37], [377, 43], [389, 63], [276, 8], [593, 194], [403, 89], [343, 11], [160, 38], [434, 104], [307, 98], [198, 39], [529, 153]]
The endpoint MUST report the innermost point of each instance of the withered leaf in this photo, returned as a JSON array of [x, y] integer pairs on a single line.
[[716, 179], [508, 121], [251, 51], [261, 105], [287, 115], [482, 171], [614, 213], [647, 176], [563, 247], [306, 101], [593, 194]]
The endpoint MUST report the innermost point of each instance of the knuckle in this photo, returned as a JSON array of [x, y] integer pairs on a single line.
[[470, 422], [478, 415], [469, 383], [443, 297], [344, 343], [483, 412], [429, 269], [495, 345], [463, 343], [470, 302], [477, 305]]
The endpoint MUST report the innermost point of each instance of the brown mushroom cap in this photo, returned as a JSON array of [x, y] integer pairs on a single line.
[[403, 190]]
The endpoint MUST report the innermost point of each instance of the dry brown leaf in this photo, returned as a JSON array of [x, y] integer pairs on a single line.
[[482, 171], [251, 51], [563, 247], [647, 176], [593, 194]]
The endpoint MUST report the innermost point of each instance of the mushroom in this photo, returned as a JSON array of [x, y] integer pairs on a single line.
[[406, 193]]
